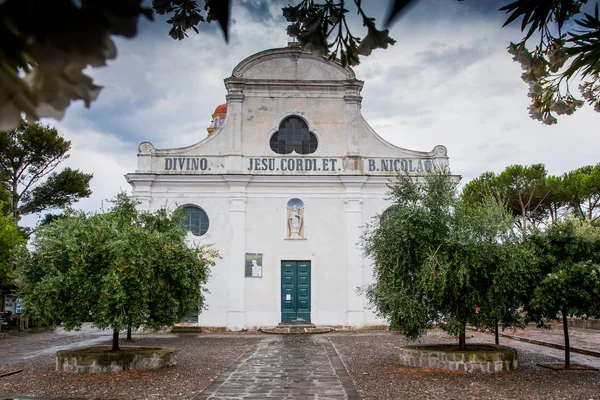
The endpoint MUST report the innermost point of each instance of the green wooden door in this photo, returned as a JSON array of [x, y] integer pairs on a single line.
[[295, 292]]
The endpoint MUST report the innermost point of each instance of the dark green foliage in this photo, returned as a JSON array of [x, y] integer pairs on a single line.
[[73, 27], [582, 192], [483, 272], [400, 244], [568, 252], [11, 243], [536, 15], [28, 157], [538, 198], [438, 260], [569, 275], [523, 188], [312, 22], [120, 269], [59, 189]]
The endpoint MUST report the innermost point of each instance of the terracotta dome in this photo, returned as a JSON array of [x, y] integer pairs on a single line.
[[218, 118], [221, 109]]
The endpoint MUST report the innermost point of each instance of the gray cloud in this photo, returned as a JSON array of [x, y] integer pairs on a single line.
[[448, 80], [453, 58], [264, 11]]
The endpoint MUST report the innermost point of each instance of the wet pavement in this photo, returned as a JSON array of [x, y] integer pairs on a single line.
[[285, 367]]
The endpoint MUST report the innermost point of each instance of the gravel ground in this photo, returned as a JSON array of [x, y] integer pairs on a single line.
[[372, 362], [200, 359]]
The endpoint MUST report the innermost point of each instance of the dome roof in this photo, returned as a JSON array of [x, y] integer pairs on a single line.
[[222, 109]]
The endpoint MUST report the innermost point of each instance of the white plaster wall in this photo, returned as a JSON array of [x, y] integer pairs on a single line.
[[324, 246], [261, 116], [286, 69], [290, 64], [247, 209], [373, 203]]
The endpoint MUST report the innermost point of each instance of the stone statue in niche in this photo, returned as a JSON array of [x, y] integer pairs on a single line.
[[295, 222]]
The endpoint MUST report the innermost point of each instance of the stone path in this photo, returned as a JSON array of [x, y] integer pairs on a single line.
[[584, 341], [285, 367], [20, 346]]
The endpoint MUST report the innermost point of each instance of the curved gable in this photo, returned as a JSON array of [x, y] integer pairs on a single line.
[[291, 63]]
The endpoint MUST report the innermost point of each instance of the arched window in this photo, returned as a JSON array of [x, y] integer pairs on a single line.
[[196, 220], [293, 135], [388, 213]]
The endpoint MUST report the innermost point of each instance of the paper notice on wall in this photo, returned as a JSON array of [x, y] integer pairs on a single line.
[[254, 265]]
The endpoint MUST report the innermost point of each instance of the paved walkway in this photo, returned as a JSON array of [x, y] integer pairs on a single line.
[[285, 367], [583, 341], [19, 346]]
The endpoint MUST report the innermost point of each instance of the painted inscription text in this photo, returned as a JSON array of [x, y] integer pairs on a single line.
[[399, 164], [278, 165], [186, 164], [293, 164]]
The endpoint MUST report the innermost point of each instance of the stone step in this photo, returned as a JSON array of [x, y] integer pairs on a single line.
[[291, 329], [186, 329], [296, 325]]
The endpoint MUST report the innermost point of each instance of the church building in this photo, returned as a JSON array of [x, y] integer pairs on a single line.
[[281, 187]]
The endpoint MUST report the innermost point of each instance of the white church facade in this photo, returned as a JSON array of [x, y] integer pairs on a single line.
[[281, 188]]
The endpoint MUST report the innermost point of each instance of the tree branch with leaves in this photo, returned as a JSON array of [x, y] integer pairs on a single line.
[[46, 46], [29, 156], [561, 57]]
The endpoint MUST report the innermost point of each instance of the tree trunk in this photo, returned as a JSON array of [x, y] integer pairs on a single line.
[[129, 333], [566, 335], [496, 334], [462, 337], [15, 204], [115, 341]]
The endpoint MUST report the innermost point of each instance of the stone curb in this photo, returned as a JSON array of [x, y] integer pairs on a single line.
[[340, 370]]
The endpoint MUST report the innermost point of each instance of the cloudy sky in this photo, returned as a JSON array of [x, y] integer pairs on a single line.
[[448, 80]]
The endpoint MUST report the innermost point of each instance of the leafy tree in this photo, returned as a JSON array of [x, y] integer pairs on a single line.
[[524, 189], [4, 201], [435, 259], [537, 197], [555, 204], [569, 284], [28, 157], [510, 260], [47, 45], [583, 191], [11, 241], [400, 242], [109, 269]]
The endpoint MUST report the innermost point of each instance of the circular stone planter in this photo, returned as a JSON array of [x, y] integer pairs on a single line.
[[103, 359], [485, 358]]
